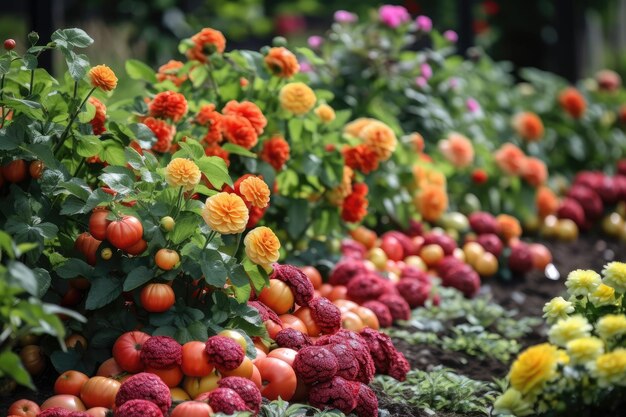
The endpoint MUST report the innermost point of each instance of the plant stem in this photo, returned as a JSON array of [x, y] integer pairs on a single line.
[[178, 202], [32, 81], [210, 238], [75, 89], [69, 125], [214, 85], [80, 165], [1, 98]]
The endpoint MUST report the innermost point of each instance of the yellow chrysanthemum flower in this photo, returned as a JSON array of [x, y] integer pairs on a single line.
[[611, 325], [255, 191], [585, 349], [533, 367], [226, 213], [262, 246], [380, 138], [103, 77], [615, 276], [610, 368], [325, 113], [181, 172], [582, 282], [297, 98], [557, 308], [568, 329], [512, 402], [603, 295]]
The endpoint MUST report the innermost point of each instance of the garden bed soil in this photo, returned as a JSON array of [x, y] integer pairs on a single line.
[[527, 295]]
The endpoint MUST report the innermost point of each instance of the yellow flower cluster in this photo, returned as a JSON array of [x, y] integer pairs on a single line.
[[610, 368], [615, 276], [570, 328], [557, 308], [584, 349], [582, 282], [297, 98], [611, 326]]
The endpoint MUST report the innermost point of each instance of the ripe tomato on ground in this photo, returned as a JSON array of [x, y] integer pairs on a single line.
[[109, 368], [278, 296], [293, 322], [69, 402], [23, 408], [70, 382], [278, 379], [166, 259], [156, 298], [192, 409], [195, 360], [127, 351], [314, 276], [99, 391], [284, 354], [125, 232]]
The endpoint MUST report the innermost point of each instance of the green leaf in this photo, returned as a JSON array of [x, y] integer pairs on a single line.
[[198, 331], [30, 61], [5, 64], [310, 56], [258, 276], [190, 149], [198, 75], [238, 276], [137, 277], [242, 293], [71, 38], [143, 134], [119, 179], [186, 225], [113, 153], [215, 170], [295, 129], [11, 366], [88, 113], [77, 64], [23, 276], [213, 268], [238, 150], [298, 213], [73, 268], [137, 70], [88, 145], [102, 292]]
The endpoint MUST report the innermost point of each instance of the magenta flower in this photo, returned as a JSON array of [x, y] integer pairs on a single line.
[[344, 16], [424, 23], [393, 16], [421, 82], [315, 42], [305, 66], [451, 36], [426, 71], [472, 105]]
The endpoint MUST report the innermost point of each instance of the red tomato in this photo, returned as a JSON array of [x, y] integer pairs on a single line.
[[325, 290], [284, 354], [166, 259], [80, 283], [125, 232], [339, 292], [72, 297], [304, 314], [364, 236], [70, 382], [291, 321], [541, 255], [99, 391], [261, 345], [256, 377], [156, 298], [109, 368], [98, 411], [272, 328], [98, 223], [69, 402], [36, 169], [195, 360], [260, 354], [278, 379], [127, 349], [88, 246], [368, 317], [192, 409], [138, 248], [314, 276], [278, 296], [393, 248], [15, 171], [171, 376], [23, 408], [33, 359]]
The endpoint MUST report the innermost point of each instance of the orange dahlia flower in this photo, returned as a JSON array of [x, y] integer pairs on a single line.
[[248, 110], [282, 62], [528, 126], [181, 172], [163, 132], [509, 227], [431, 202], [262, 246], [216, 150], [573, 102], [510, 159], [206, 42], [168, 105], [355, 127], [355, 204], [380, 138], [338, 195], [546, 201], [207, 116], [225, 213], [457, 149], [361, 158], [535, 172], [255, 191], [239, 131], [418, 142], [297, 98], [325, 113], [275, 152], [97, 123], [169, 71], [103, 77]]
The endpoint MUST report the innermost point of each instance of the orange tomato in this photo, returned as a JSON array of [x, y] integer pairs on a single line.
[[23, 408], [69, 402], [157, 298], [196, 386], [76, 339], [166, 259], [291, 321], [351, 321], [431, 254], [36, 169], [110, 368], [368, 317], [284, 354], [256, 377], [70, 382], [278, 296], [278, 379], [325, 289], [244, 370], [236, 336], [304, 314], [98, 411], [179, 394], [15, 171], [314, 275], [99, 391], [339, 292], [171, 377], [195, 360], [33, 359]]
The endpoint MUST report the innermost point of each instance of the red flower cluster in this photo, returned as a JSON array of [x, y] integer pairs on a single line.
[[355, 204], [573, 102], [206, 42], [168, 105], [361, 158], [247, 110], [208, 116], [97, 123], [163, 131], [275, 152]]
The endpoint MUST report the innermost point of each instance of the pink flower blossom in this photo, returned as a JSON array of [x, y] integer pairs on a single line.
[[305, 67], [421, 82], [472, 105], [424, 23], [315, 42], [393, 16], [454, 83], [426, 71], [451, 36], [344, 16]]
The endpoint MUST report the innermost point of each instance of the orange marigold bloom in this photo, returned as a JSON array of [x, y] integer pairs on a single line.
[[361, 158], [275, 152], [508, 226], [216, 150], [169, 71], [282, 62], [207, 116], [573, 102], [355, 127], [528, 125], [255, 191], [380, 138], [431, 202], [97, 123], [325, 113], [547, 202], [168, 105], [103, 77], [239, 131], [225, 213], [262, 246], [418, 142], [510, 159], [535, 172], [181, 172], [206, 42], [344, 189], [297, 98], [355, 204], [248, 110], [457, 149], [163, 132]]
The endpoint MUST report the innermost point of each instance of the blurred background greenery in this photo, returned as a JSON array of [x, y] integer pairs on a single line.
[[573, 38]]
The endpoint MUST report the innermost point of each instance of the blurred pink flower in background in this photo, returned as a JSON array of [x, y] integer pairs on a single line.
[[426, 71], [344, 16], [451, 36], [457, 149], [454, 83], [315, 42], [421, 82], [472, 105], [424, 23], [393, 16], [305, 66]]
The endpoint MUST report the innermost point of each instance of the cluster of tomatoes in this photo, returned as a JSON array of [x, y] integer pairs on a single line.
[[19, 170]]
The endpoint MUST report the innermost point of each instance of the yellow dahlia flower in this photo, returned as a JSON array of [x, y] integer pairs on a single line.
[[584, 349], [255, 191], [533, 367], [103, 77], [226, 213], [603, 295], [557, 308], [582, 282], [325, 113], [181, 172], [297, 98], [615, 276], [611, 325], [512, 402], [262, 246], [610, 368], [571, 328]]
